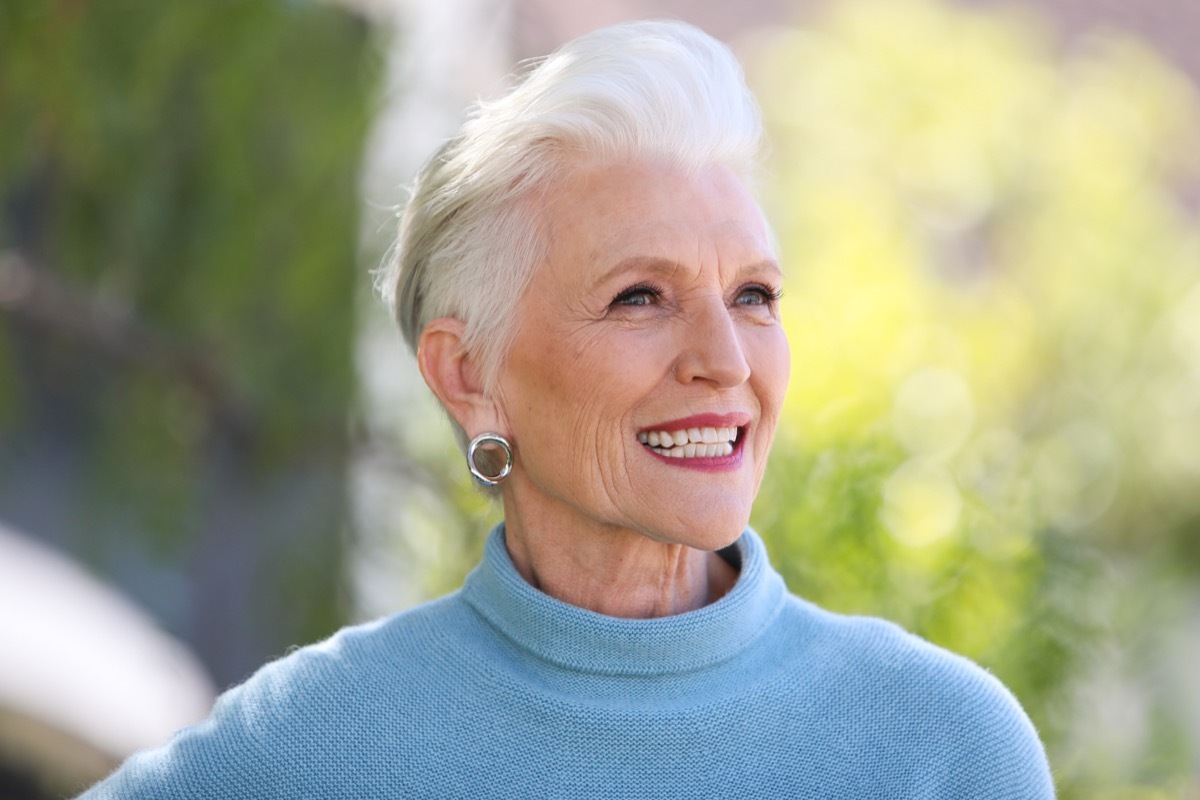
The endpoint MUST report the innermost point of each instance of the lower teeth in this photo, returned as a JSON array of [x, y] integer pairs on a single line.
[[716, 450]]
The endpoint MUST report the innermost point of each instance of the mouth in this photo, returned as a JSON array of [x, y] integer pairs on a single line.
[[693, 442], [709, 441]]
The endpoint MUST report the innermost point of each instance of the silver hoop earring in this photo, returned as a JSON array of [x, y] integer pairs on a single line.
[[486, 439]]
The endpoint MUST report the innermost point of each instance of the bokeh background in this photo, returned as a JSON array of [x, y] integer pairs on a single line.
[[213, 448]]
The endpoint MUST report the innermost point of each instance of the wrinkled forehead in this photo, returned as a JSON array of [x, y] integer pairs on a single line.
[[599, 216]]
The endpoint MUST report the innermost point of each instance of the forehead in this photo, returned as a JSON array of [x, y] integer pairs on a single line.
[[601, 215]]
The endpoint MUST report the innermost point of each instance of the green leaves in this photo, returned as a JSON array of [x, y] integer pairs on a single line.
[[185, 175], [989, 267]]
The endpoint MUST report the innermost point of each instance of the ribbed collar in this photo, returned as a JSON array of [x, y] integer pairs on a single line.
[[583, 640]]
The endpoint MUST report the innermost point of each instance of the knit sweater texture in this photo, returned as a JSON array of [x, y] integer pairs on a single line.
[[500, 691]]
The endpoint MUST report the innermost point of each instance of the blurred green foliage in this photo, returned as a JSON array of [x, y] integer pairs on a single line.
[[992, 304], [179, 232]]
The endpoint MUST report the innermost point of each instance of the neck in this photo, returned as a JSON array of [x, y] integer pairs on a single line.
[[612, 570]]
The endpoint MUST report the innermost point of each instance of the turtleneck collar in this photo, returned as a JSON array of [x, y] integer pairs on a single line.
[[582, 640]]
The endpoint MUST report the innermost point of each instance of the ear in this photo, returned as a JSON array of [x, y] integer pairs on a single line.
[[453, 375]]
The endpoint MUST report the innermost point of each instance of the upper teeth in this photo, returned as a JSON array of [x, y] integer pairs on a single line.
[[683, 443]]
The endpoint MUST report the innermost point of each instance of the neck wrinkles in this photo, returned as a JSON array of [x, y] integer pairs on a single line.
[[651, 580], [583, 640]]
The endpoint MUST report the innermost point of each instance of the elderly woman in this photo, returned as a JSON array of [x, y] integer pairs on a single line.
[[592, 293]]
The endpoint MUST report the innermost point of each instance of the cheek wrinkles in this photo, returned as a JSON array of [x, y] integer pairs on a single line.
[[578, 342]]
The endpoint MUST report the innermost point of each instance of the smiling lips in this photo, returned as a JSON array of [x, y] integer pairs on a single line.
[[696, 442]]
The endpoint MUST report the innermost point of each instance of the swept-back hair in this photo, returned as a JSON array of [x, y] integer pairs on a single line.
[[470, 235]]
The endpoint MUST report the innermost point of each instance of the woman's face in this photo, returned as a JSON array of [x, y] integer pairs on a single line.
[[654, 314]]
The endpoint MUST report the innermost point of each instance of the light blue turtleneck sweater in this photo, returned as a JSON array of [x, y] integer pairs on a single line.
[[500, 691]]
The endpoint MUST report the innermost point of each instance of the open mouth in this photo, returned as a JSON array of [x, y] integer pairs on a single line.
[[701, 442]]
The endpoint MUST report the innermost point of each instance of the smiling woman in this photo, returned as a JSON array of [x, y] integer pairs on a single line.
[[683, 333], [593, 295]]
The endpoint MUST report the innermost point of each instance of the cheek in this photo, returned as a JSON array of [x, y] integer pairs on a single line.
[[566, 401], [602, 389], [772, 366]]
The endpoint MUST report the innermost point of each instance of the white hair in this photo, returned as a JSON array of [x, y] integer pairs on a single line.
[[470, 235]]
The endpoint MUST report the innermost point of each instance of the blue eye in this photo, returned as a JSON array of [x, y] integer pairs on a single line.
[[639, 295], [758, 295]]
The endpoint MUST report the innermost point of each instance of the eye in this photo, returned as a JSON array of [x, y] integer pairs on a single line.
[[757, 294], [642, 294]]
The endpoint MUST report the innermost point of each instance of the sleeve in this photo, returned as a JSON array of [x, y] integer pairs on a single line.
[[945, 727], [220, 757], [989, 748], [261, 740]]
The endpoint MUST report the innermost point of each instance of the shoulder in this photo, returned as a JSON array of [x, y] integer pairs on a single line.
[[877, 649], [923, 703], [332, 678], [292, 715], [365, 654]]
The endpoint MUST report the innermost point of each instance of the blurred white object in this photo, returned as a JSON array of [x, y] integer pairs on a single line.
[[86, 678]]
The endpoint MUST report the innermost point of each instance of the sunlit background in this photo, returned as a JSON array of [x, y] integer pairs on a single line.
[[213, 447]]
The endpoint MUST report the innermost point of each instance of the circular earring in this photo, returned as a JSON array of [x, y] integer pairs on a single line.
[[486, 439]]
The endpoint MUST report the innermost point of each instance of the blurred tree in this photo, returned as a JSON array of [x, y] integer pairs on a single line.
[[992, 305], [177, 270]]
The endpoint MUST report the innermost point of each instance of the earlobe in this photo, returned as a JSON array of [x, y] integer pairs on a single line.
[[452, 374]]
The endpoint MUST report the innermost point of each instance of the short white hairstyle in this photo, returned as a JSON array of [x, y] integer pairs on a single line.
[[470, 235]]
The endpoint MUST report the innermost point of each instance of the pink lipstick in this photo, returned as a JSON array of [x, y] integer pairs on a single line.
[[706, 442]]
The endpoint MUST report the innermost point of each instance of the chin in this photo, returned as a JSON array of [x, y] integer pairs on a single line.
[[717, 527], [720, 531], [722, 538]]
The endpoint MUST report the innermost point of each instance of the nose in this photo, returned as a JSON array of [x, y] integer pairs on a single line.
[[711, 349]]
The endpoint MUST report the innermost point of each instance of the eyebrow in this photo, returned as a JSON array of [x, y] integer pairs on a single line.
[[665, 266]]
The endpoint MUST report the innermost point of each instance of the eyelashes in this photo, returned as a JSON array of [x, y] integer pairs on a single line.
[[769, 295], [640, 294], [645, 294]]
